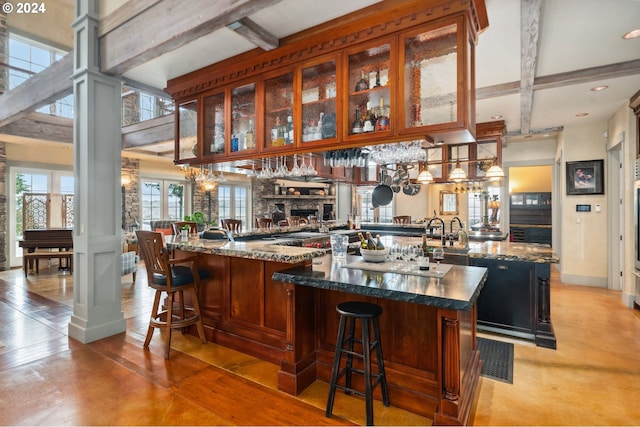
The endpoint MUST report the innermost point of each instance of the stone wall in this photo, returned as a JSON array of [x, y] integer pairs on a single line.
[[131, 202], [265, 206]]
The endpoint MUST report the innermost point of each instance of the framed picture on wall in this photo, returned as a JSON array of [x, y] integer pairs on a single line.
[[585, 177]]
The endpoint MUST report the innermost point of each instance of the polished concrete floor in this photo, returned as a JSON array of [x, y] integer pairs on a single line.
[[593, 378]]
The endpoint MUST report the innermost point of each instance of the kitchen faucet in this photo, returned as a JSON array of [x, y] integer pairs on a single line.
[[442, 234], [455, 218]]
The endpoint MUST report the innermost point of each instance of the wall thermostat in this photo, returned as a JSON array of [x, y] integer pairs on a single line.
[[583, 208]]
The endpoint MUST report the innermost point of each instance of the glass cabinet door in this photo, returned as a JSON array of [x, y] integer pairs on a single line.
[[430, 80], [369, 87], [319, 102], [243, 118], [187, 144], [278, 111], [486, 156], [214, 118]]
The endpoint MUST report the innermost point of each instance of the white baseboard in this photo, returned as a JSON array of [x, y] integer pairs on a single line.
[[574, 279]]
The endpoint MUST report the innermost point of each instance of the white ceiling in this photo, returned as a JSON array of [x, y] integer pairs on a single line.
[[573, 35]]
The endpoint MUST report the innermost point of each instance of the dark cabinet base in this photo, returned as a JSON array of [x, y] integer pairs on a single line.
[[515, 300]]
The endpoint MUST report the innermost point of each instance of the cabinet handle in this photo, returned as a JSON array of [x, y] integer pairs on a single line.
[[503, 267]]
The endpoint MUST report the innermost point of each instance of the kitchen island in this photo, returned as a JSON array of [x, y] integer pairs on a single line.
[[277, 302], [516, 299]]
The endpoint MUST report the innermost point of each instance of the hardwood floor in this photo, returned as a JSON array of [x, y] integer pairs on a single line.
[[47, 378]]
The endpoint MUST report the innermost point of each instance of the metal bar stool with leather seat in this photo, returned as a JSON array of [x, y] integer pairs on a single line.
[[167, 275], [368, 313], [233, 225]]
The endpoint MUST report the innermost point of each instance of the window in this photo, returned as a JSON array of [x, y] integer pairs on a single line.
[[475, 204], [26, 180], [368, 214], [139, 106], [161, 199], [233, 203], [26, 58]]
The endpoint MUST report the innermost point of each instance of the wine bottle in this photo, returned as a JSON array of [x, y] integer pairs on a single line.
[[357, 125], [371, 244], [250, 137], [379, 245], [369, 120], [377, 78], [274, 132], [363, 241], [382, 121], [425, 245], [362, 84]]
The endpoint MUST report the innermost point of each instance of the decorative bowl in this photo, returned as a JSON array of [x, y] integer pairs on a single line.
[[370, 255]]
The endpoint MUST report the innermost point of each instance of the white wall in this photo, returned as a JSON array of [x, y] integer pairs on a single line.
[[584, 252], [622, 125]]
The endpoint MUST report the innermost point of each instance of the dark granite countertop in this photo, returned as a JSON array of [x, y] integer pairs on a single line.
[[256, 249], [457, 290], [510, 251]]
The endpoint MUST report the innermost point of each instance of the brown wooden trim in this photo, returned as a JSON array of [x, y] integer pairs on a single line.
[[384, 18]]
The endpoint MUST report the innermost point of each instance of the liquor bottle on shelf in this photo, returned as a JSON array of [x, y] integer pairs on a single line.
[[382, 121], [357, 125], [234, 143], [369, 120], [377, 78], [277, 134], [249, 137], [288, 138], [362, 84]]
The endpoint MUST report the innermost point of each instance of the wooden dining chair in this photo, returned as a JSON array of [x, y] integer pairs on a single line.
[[233, 225], [283, 223], [170, 276], [402, 219], [177, 226], [293, 221], [264, 222]]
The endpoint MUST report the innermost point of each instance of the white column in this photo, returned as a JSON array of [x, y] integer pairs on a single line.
[[97, 142]]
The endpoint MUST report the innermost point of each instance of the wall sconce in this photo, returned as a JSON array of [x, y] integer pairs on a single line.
[[125, 180]]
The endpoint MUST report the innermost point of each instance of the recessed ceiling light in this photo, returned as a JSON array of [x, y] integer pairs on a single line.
[[632, 34], [599, 88], [496, 117], [582, 114]]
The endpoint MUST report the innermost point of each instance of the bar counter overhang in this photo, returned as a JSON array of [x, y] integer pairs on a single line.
[[278, 303]]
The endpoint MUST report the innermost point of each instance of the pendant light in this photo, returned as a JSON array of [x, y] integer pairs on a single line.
[[495, 172], [458, 174], [425, 176]]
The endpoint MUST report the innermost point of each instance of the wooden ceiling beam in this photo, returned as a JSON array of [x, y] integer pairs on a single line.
[[255, 34], [165, 26], [529, 29], [41, 126], [46, 87]]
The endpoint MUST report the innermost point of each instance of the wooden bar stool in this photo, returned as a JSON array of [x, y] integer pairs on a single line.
[[368, 314]]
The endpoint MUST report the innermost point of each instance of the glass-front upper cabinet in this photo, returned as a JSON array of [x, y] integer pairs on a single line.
[[278, 112], [243, 119], [319, 106], [214, 119], [429, 86], [486, 156], [434, 162], [369, 86], [187, 144]]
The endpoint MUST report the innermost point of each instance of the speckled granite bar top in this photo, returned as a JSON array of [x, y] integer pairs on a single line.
[[510, 251], [252, 249], [457, 290]]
